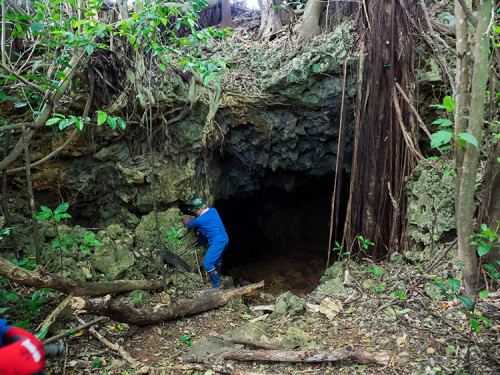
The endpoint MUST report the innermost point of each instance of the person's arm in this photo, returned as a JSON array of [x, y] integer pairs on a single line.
[[21, 353], [192, 223]]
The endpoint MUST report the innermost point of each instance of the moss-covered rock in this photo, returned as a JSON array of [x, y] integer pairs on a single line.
[[112, 259], [288, 303], [295, 338]]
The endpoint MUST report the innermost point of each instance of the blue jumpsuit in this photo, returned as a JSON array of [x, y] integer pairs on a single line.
[[3, 329], [211, 227]]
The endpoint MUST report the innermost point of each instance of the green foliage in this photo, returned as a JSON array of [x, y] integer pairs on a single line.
[[56, 215], [288, 5], [338, 249], [485, 240], [96, 363], [186, 339], [175, 236], [364, 242], [31, 306], [26, 263], [58, 33], [6, 296], [5, 232], [448, 104], [376, 271]]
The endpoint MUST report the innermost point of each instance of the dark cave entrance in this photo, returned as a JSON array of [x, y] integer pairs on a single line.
[[278, 236]]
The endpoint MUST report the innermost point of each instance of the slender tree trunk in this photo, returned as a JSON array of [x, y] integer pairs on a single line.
[[29, 182], [227, 19], [310, 21], [465, 194], [5, 206]]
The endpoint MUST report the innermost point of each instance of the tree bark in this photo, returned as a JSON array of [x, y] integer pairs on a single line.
[[310, 21], [357, 355], [31, 197], [270, 22], [122, 312], [464, 196], [227, 19], [41, 279]]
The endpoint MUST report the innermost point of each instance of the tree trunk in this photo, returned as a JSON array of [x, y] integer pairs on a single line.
[[31, 197], [357, 355], [41, 279], [227, 19], [310, 21], [122, 312], [270, 22], [464, 196], [6, 213]]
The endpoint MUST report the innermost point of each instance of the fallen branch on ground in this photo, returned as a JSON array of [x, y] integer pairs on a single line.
[[117, 348], [257, 344], [122, 312], [76, 329], [356, 355], [39, 278], [54, 314]]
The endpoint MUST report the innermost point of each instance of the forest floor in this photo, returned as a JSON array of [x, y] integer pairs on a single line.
[[421, 335]]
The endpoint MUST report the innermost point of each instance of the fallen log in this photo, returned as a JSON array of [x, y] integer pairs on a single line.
[[355, 355], [39, 278], [122, 312]]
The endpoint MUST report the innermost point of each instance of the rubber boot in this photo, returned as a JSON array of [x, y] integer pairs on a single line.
[[214, 276], [218, 267]]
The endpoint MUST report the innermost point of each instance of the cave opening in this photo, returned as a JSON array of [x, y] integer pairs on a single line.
[[279, 236]]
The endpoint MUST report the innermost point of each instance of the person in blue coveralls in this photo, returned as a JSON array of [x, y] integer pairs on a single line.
[[21, 353], [210, 225]]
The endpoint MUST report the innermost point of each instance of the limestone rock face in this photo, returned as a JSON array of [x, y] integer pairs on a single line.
[[112, 259], [431, 211]]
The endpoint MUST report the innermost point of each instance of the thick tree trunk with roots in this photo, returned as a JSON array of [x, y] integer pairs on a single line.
[[386, 146], [270, 22], [310, 21]]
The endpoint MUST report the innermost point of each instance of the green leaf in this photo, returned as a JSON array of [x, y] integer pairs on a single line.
[[483, 294], [61, 208], [483, 249], [63, 124], [474, 323], [404, 311], [443, 122], [441, 137], [454, 284], [90, 49], [469, 304], [96, 363], [58, 217], [468, 138], [112, 122], [449, 103], [53, 121], [121, 123], [41, 335], [37, 26], [61, 75], [162, 67], [101, 117], [315, 68], [3, 95]]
